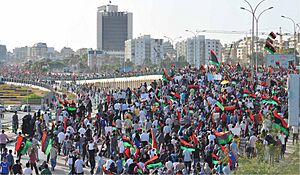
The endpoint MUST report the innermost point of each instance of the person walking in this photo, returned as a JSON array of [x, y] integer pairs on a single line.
[[53, 157], [15, 123], [32, 161], [4, 166], [3, 140]]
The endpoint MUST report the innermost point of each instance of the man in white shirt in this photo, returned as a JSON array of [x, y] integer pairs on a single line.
[[27, 170], [144, 138], [211, 137], [61, 138], [79, 166], [252, 142], [187, 159], [82, 131]]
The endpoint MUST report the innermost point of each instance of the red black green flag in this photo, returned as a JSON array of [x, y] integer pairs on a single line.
[[186, 145], [223, 137], [280, 123], [153, 162], [214, 59]]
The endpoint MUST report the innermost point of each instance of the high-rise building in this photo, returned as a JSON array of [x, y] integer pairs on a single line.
[[21, 53], [169, 50], [144, 50], [113, 28], [39, 51], [3, 52], [214, 45], [193, 50], [66, 52]]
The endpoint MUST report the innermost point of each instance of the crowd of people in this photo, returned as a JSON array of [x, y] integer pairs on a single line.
[[192, 121]]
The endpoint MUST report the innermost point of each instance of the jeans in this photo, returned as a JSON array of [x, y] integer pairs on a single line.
[[53, 163]]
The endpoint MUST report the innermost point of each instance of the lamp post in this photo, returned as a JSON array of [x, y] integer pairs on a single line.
[[172, 42], [295, 37], [256, 22], [195, 37], [252, 11]]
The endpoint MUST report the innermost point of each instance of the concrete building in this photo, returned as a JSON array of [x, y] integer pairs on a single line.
[[113, 28], [66, 52], [39, 51], [169, 51], [192, 50], [94, 59], [214, 45], [3, 52], [22, 53], [144, 50]]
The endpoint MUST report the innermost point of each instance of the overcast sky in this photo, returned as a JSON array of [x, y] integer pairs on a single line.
[[72, 23]]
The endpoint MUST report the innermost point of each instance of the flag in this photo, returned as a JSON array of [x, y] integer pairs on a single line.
[[153, 139], [215, 159], [186, 146], [226, 108], [127, 152], [49, 146], [126, 141], [153, 162], [176, 95], [238, 67], [44, 137], [214, 59], [223, 137], [270, 101], [251, 116], [106, 171], [280, 123], [195, 140], [18, 143], [26, 147], [220, 105]]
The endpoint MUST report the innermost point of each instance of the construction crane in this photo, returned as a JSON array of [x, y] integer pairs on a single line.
[[229, 32], [280, 34]]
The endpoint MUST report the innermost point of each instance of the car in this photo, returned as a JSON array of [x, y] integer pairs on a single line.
[[12, 108], [2, 108], [25, 108]]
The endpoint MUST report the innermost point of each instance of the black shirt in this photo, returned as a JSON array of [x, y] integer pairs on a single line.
[[17, 169]]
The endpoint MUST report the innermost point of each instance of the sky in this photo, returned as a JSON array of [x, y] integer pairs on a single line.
[[72, 23]]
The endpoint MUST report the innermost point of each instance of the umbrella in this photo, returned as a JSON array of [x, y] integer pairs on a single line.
[[224, 82]]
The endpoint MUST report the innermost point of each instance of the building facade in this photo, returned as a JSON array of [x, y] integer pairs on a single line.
[[94, 59], [3, 52], [113, 28], [39, 51], [214, 45], [192, 50], [144, 50]]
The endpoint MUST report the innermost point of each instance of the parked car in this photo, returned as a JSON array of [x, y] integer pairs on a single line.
[[2, 108], [12, 108], [26, 108]]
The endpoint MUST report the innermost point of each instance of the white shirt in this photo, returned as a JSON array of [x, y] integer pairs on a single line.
[[61, 137], [81, 131], [79, 165], [27, 171], [129, 161], [144, 137], [167, 129], [187, 156], [282, 138], [211, 138], [252, 141], [121, 146]]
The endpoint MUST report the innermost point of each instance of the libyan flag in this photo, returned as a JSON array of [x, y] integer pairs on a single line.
[[186, 146], [126, 141], [49, 146], [26, 147], [153, 162], [223, 137], [270, 101], [280, 123], [214, 59]]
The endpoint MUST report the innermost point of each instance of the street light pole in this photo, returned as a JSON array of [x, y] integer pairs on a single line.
[[254, 18], [172, 42], [195, 37], [295, 37]]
